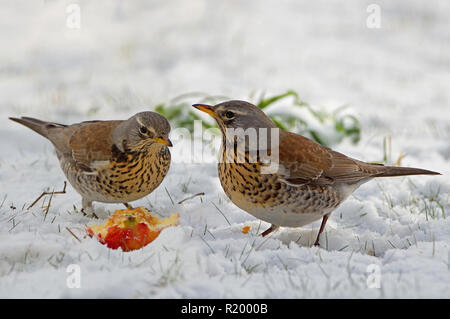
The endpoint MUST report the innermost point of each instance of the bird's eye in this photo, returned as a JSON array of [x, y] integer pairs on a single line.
[[143, 130], [229, 114]]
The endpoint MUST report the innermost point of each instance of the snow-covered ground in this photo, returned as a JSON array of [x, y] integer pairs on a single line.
[[129, 56]]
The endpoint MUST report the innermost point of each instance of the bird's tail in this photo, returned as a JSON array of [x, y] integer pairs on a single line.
[[389, 171], [40, 127]]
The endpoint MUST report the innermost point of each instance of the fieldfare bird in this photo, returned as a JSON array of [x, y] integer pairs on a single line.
[[310, 181], [110, 161]]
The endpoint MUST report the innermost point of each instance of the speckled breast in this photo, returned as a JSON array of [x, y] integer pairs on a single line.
[[267, 197], [125, 178]]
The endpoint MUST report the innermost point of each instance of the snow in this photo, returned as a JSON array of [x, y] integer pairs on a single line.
[[129, 56]]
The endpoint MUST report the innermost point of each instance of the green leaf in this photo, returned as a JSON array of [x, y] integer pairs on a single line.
[[278, 123], [316, 137], [263, 103], [180, 114]]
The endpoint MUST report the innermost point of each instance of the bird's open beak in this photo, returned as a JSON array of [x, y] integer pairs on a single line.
[[206, 108], [164, 141]]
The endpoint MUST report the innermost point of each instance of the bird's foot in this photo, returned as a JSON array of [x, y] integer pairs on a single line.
[[322, 227], [89, 212], [87, 209], [269, 230]]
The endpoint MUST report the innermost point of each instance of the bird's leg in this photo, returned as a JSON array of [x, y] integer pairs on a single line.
[[128, 206], [87, 208], [269, 230], [322, 227]]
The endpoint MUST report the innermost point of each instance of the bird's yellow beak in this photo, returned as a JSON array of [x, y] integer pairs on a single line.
[[205, 108], [164, 141]]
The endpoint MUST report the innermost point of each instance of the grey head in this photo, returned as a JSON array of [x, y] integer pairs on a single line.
[[236, 115], [142, 130]]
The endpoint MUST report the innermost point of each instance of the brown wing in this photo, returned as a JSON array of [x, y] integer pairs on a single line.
[[307, 162], [303, 160], [92, 142]]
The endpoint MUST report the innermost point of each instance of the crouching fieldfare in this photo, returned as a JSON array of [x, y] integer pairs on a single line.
[[311, 180], [110, 161]]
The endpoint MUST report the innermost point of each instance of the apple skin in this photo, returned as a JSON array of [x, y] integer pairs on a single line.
[[131, 229]]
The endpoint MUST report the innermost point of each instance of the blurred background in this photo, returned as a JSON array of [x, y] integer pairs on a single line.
[[369, 79], [70, 61]]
